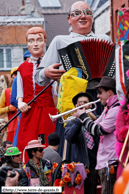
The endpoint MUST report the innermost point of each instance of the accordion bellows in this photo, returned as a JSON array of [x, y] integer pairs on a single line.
[[95, 57]]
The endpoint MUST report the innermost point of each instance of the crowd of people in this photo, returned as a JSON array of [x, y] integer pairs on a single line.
[[32, 145]]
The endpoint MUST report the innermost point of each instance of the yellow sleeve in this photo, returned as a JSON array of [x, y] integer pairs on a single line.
[[3, 108]]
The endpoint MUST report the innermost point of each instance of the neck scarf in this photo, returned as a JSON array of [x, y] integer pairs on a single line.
[[13, 164], [42, 177]]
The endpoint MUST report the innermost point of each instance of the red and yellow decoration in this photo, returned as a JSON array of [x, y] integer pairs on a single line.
[[57, 182], [78, 179], [62, 167], [67, 179], [71, 167], [72, 181], [54, 165]]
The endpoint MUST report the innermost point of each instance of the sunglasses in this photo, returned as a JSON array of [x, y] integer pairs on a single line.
[[99, 92], [40, 150]]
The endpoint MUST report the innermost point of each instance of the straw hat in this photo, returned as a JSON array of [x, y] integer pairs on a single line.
[[34, 144]]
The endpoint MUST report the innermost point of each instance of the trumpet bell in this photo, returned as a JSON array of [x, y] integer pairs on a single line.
[[53, 117]]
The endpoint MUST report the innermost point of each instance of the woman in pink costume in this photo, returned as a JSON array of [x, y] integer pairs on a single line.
[[122, 126]]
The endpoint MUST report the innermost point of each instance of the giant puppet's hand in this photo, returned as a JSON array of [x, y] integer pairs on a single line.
[[23, 107], [53, 72], [12, 108]]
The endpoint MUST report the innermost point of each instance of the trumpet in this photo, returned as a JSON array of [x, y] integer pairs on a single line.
[[55, 117]]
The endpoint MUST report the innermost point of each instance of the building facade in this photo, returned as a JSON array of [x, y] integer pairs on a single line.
[[12, 40]]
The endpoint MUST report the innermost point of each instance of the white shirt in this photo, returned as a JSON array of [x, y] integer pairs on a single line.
[[52, 55]]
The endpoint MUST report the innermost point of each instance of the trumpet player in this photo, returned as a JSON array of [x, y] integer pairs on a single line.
[[84, 146], [102, 128]]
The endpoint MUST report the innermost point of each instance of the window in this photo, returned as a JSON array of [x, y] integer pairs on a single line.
[[5, 58], [49, 4], [24, 50]]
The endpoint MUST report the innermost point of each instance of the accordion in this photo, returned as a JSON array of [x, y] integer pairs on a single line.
[[94, 57]]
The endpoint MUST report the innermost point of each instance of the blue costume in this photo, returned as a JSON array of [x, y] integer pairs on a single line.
[[14, 102]]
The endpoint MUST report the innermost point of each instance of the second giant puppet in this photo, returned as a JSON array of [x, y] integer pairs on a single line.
[[35, 121]]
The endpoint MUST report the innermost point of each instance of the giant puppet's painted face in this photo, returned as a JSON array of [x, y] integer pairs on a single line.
[[3, 83], [80, 24], [36, 44]]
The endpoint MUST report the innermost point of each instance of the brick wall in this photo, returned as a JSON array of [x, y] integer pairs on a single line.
[[13, 34]]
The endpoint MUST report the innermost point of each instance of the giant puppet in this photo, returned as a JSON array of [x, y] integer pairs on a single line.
[[35, 121], [6, 107]]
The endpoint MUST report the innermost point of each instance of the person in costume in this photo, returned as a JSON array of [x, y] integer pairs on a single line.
[[82, 146], [104, 128], [13, 161], [35, 121], [6, 107], [122, 127], [12, 158], [36, 170], [80, 17]]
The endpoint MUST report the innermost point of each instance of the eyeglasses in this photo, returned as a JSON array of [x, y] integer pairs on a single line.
[[84, 102], [78, 12], [40, 150]]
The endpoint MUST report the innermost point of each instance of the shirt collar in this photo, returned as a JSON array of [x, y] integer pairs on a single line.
[[73, 34], [35, 60], [112, 100]]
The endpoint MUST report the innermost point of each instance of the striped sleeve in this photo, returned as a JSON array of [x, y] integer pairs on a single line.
[[91, 127]]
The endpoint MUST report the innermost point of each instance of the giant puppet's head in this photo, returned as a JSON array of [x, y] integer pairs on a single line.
[[80, 17], [36, 41], [5, 82]]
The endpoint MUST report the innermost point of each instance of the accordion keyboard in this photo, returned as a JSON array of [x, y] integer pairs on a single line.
[[112, 70], [66, 62]]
